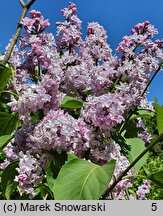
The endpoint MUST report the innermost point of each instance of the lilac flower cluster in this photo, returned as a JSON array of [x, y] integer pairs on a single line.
[[109, 85], [60, 131], [96, 41], [143, 190], [120, 189], [35, 24], [141, 34], [68, 32], [26, 102], [29, 173], [20, 143], [11, 154], [104, 111]]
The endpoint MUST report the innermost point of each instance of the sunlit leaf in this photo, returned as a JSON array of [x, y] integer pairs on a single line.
[[159, 116], [6, 72], [71, 102], [82, 180], [4, 140], [137, 146]]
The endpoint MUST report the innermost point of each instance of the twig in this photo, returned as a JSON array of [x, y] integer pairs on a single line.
[[22, 3], [28, 5], [156, 72], [18, 31], [150, 146]]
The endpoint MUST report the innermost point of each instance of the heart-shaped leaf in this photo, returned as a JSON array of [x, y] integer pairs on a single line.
[[82, 180]]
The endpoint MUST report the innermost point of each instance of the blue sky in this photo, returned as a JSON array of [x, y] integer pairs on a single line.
[[117, 17]]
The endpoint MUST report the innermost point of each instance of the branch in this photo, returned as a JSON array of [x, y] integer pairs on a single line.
[[150, 146], [29, 3], [22, 3], [18, 31], [156, 72]]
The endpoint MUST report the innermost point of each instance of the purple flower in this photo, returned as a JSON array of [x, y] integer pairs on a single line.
[[96, 41], [145, 28], [70, 11], [143, 190], [34, 14], [105, 111], [110, 85], [144, 135], [68, 32], [60, 131], [31, 100], [29, 173], [36, 23]]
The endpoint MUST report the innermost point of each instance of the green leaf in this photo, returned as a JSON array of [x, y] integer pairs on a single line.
[[155, 100], [137, 146], [71, 102], [82, 180], [88, 92], [7, 179], [51, 175], [11, 187], [132, 130], [6, 72], [35, 117], [70, 156], [143, 114], [43, 190], [55, 165], [118, 138], [53, 168], [159, 117], [8, 123], [157, 178], [4, 140]]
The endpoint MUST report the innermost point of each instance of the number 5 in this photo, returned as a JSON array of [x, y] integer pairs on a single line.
[[154, 207]]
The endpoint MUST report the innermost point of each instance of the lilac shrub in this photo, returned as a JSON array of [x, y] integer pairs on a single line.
[[48, 68]]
